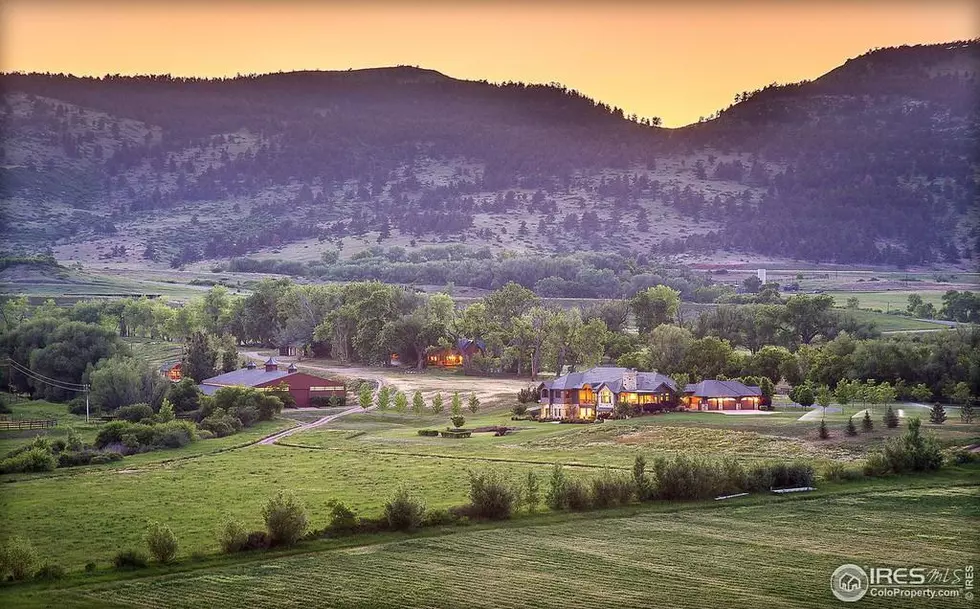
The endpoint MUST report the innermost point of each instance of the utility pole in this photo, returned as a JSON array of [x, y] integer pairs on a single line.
[[87, 388]]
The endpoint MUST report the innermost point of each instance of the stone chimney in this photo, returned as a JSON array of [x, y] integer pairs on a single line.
[[629, 380], [271, 365]]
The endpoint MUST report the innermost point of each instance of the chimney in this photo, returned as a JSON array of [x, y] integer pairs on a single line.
[[271, 365], [250, 365], [629, 380]]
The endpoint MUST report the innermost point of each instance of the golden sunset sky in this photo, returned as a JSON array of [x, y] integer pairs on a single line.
[[670, 59]]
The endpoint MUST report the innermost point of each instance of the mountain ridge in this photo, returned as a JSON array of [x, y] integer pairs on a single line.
[[419, 156]]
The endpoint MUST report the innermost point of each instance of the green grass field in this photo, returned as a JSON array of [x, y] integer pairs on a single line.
[[87, 514], [894, 323], [755, 552], [888, 299]]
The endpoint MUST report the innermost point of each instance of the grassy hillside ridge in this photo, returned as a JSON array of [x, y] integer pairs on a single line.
[[206, 169]]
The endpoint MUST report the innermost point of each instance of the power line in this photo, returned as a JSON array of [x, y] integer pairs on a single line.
[[63, 385], [27, 371]]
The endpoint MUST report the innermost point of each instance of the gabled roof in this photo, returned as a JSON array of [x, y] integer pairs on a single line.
[[721, 389], [245, 377], [467, 343], [611, 377]]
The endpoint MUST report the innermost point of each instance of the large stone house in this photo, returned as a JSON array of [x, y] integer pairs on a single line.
[[595, 392]]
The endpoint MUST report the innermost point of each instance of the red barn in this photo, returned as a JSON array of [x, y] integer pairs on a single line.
[[306, 389]]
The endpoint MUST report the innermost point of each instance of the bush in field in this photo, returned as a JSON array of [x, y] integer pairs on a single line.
[[166, 413], [490, 497], [232, 537], [221, 424], [851, 429], [49, 572], [343, 520], [876, 465], [966, 412], [257, 540], [641, 484], [577, 496], [128, 560], [134, 413], [937, 416], [474, 403], [458, 420], [31, 460], [519, 409], [824, 433], [608, 490], [142, 436], [161, 542], [836, 471], [556, 498], [73, 442], [456, 407], [18, 559], [685, 477], [285, 519], [403, 512], [913, 452], [531, 492]]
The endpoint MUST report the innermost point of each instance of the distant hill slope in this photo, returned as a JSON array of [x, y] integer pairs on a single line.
[[873, 162]]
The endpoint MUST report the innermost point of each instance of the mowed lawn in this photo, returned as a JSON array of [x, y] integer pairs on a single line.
[[777, 554]]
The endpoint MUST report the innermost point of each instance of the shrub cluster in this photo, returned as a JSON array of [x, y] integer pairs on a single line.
[[142, 437], [285, 519], [128, 560], [913, 452], [490, 497], [404, 512], [429, 432]]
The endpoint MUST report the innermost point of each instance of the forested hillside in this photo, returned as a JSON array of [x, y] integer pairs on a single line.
[[874, 162]]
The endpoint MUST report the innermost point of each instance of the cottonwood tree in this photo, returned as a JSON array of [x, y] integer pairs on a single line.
[[655, 306]]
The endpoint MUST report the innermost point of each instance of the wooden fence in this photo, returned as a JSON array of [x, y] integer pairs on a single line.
[[27, 424]]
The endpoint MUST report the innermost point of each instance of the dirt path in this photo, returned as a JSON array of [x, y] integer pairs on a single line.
[[487, 389]]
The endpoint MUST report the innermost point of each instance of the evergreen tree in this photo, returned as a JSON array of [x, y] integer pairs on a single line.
[[437, 404], [384, 398], [851, 428], [418, 403], [474, 403], [866, 423], [938, 414], [401, 402], [364, 396], [966, 413], [824, 432], [457, 405], [890, 418]]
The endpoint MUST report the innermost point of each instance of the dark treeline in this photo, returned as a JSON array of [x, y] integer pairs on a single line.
[[872, 163]]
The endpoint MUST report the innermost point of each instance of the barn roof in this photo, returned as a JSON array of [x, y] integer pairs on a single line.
[[246, 377]]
